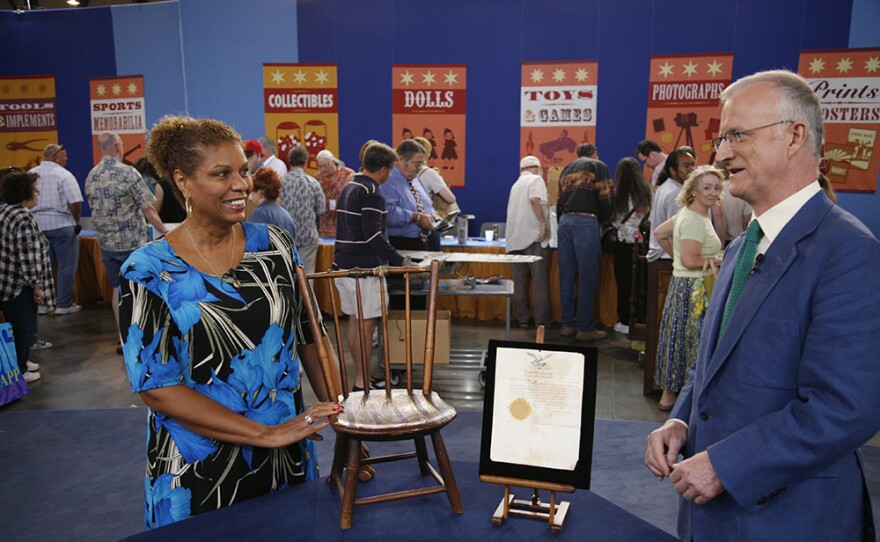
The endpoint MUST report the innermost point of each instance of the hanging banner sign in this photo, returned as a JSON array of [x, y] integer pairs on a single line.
[[117, 105], [683, 97], [301, 102], [557, 109], [429, 101], [847, 82], [28, 119]]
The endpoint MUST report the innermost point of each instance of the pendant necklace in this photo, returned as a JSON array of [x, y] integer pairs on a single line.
[[229, 277]]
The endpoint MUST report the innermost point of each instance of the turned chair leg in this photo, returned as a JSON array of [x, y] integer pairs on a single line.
[[422, 455], [353, 466], [446, 471]]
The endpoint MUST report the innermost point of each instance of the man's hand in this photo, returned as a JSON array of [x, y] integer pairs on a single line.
[[695, 479], [425, 222], [664, 444]]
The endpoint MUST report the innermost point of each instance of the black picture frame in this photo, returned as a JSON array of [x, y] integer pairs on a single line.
[[580, 476]]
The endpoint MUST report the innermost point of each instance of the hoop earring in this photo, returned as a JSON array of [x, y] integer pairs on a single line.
[[188, 204]]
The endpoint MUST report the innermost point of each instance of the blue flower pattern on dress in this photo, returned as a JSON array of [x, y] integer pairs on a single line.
[[164, 505]]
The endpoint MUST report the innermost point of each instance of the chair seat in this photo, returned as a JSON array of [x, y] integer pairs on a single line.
[[380, 417]]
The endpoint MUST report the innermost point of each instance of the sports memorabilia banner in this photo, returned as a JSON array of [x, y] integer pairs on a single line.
[[28, 119], [302, 109], [847, 82], [557, 109], [429, 101], [117, 105], [683, 97]]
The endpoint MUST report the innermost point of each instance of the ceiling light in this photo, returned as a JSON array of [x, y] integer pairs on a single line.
[[72, 2]]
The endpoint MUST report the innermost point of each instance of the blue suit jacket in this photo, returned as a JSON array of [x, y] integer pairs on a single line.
[[784, 400]]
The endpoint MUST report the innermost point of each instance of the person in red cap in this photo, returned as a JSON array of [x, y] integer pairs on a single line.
[[253, 151]]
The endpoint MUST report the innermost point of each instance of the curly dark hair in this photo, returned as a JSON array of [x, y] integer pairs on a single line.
[[17, 186], [266, 180], [177, 143]]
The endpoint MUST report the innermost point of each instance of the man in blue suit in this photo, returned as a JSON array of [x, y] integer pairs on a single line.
[[785, 387]]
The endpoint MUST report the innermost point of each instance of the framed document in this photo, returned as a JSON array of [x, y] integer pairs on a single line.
[[539, 412]]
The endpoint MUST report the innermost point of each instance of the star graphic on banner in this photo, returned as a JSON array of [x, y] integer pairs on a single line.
[[844, 65], [581, 75], [713, 67], [559, 75], [429, 78], [299, 77], [666, 70], [537, 75], [132, 88], [450, 78], [322, 77], [116, 89], [100, 90], [872, 64], [277, 77], [407, 78], [817, 65], [690, 68]]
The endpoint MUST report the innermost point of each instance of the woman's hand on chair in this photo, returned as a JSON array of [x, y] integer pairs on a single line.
[[305, 426]]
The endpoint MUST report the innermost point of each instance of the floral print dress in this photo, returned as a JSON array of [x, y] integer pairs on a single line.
[[233, 338]]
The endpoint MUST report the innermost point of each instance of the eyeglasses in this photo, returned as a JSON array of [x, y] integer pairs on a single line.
[[419, 163], [59, 149], [733, 136]]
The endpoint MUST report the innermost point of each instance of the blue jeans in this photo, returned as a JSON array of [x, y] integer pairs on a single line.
[[21, 312], [579, 252], [113, 260], [64, 253]]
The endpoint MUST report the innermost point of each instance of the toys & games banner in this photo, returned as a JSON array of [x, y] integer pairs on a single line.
[[28, 119], [429, 101], [301, 102], [847, 82], [557, 109], [683, 94], [117, 105]]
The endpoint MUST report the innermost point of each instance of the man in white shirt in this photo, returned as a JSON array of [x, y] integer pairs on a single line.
[[650, 152], [58, 215], [272, 161], [528, 232]]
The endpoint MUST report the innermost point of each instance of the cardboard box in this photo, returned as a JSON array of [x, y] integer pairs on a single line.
[[397, 337]]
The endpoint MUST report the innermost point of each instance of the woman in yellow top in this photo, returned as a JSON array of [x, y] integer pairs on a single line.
[[691, 239]]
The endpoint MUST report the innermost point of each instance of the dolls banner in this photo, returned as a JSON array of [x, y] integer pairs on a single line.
[[683, 97], [117, 105], [847, 82], [429, 101], [557, 109], [28, 119], [302, 109]]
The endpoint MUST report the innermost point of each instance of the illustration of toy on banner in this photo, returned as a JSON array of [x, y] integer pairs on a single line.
[[429, 101], [302, 109], [117, 105], [683, 101], [847, 82], [28, 119]]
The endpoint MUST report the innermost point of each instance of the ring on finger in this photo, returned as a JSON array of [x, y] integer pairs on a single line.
[[309, 419]]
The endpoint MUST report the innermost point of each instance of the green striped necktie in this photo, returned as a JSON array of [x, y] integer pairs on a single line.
[[743, 270]]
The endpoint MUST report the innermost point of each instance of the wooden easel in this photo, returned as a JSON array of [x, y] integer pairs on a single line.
[[511, 506]]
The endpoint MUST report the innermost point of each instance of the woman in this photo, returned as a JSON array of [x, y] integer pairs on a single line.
[[632, 202], [169, 209], [691, 239], [332, 176], [267, 188], [441, 196], [24, 264], [216, 332]]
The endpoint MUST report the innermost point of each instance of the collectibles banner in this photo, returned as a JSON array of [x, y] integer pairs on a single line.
[[557, 109], [429, 101], [847, 83], [118, 106], [683, 101], [28, 119], [302, 109]]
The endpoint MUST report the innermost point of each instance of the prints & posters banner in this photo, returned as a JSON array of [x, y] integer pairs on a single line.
[[301, 102], [683, 97], [117, 105], [557, 109], [429, 101], [28, 119], [847, 82]]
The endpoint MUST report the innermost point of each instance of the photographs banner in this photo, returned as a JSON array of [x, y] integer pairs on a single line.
[[28, 119], [301, 102], [848, 85], [117, 105], [557, 109], [429, 101], [683, 94]]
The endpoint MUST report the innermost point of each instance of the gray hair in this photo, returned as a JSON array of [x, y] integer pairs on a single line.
[[267, 144], [107, 140], [797, 101]]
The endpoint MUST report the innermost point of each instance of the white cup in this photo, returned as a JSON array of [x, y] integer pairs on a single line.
[[490, 235]]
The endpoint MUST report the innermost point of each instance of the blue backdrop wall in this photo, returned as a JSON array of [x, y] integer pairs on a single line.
[[204, 57]]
